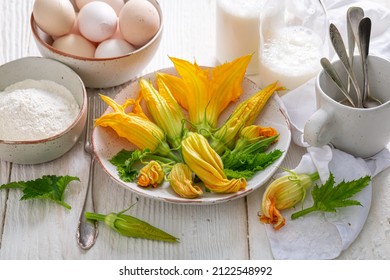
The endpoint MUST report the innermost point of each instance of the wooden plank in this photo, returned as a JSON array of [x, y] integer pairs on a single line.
[[14, 33], [36, 229], [373, 242], [43, 230], [4, 178], [204, 231]]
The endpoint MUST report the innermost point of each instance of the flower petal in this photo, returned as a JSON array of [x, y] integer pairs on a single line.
[[207, 165], [135, 128], [180, 179], [164, 109], [244, 115], [151, 174]]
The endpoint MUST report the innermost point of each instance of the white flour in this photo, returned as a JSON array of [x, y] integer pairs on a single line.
[[33, 110]]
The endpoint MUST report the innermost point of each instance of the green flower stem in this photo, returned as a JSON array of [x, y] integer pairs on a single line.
[[64, 204], [95, 216], [162, 159], [298, 214], [172, 156], [315, 176]]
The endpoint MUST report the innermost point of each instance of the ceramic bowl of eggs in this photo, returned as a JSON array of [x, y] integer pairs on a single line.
[[107, 42], [43, 109]]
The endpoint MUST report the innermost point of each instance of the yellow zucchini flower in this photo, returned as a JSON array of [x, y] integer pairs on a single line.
[[152, 174], [164, 109], [176, 86], [180, 179], [284, 193], [244, 115], [135, 127], [207, 165], [253, 133], [204, 92]]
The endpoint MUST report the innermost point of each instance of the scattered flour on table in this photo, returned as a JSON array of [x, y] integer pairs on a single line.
[[35, 109]]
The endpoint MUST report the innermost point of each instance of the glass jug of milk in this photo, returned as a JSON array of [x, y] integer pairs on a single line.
[[293, 38], [237, 31]]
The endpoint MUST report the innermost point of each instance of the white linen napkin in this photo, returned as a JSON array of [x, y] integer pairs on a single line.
[[325, 235]]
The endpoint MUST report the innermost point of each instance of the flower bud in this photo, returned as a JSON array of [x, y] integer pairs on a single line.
[[208, 166], [254, 133], [284, 193], [130, 226], [151, 174], [180, 179]]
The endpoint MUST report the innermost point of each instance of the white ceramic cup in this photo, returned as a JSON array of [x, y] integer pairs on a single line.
[[361, 132]]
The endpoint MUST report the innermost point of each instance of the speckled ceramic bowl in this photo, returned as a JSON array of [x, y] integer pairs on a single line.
[[38, 68], [102, 72]]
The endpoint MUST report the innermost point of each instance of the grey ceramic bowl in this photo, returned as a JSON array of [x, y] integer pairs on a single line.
[[102, 72], [38, 68]]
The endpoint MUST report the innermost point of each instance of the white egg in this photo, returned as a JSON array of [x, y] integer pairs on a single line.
[[76, 45], [55, 17], [139, 21], [113, 48], [115, 4], [97, 21]]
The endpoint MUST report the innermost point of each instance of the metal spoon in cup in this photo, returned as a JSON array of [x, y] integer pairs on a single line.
[[329, 69], [354, 16], [339, 47], [364, 42]]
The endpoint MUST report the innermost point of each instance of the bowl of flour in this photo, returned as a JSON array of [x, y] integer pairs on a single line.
[[43, 106]]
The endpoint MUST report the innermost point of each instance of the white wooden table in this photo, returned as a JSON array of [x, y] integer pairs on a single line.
[[43, 230]]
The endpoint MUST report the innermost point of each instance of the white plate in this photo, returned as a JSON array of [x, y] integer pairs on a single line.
[[106, 144]]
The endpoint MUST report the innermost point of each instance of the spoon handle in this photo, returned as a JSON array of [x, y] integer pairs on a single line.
[[354, 15], [351, 42], [364, 35], [87, 231], [339, 47], [329, 69]]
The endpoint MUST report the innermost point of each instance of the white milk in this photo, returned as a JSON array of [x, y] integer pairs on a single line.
[[290, 55], [237, 31]]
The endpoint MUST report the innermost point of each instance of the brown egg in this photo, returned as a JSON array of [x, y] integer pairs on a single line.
[[55, 17], [76, 45], [139, 21]]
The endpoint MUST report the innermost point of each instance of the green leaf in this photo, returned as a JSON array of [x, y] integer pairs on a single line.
[[50, 187], [125, 161], [238, 174], [128, 163], [121, 157], [243, 164], [328, 197]]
